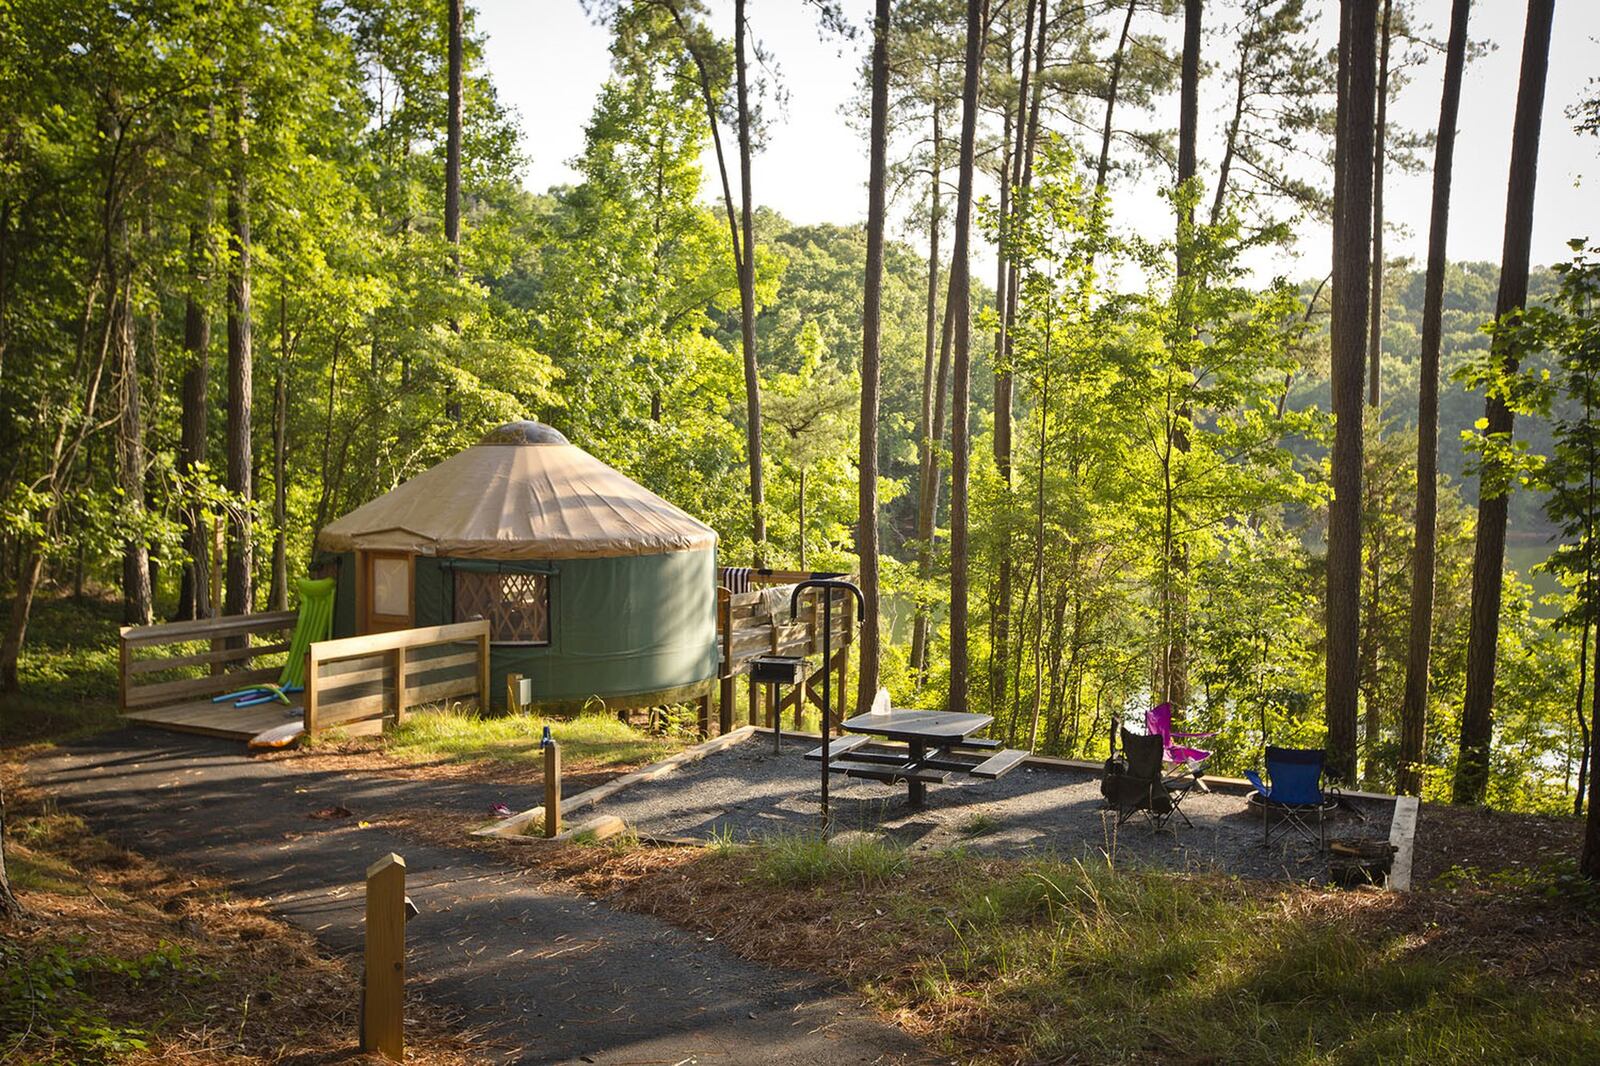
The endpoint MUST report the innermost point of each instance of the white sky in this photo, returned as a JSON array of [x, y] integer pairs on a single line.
[[549, 60]]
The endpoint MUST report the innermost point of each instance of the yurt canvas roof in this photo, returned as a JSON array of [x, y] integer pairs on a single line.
[[524, 492]]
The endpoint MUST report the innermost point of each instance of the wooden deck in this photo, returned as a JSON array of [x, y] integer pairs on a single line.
[[215, 719]]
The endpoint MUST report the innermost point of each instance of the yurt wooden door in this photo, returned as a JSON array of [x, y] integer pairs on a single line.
[[386, 591]]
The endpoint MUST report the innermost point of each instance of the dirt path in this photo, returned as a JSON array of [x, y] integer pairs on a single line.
[[542, 976]]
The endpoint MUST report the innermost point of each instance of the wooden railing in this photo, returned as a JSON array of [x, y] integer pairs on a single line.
[[363, 684], [746, 629], [151, 655]]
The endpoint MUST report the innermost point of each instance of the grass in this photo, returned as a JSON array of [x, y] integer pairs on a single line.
[[1083, 960], [997, 961], [68, 673], [591, 741], [805, 861]]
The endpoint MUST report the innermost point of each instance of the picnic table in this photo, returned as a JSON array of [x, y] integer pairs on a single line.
[[919, 748]]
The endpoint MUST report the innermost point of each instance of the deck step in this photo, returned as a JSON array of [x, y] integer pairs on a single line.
[[840, 746], [886, 774], [999, 764]]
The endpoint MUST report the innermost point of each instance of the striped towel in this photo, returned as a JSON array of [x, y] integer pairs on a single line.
[[735, 578]]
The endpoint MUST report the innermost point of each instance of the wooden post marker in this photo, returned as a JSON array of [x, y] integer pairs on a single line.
[[383, 992], [552, 784]]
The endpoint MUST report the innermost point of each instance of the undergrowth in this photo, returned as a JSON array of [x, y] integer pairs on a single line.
[[67, 671]]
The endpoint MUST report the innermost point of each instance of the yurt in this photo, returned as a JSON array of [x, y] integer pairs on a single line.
[[593, 586]]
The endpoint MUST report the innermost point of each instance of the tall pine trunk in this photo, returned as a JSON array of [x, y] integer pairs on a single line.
[[1006, 292], [1414, 704], [241, 559], [194, 593], [1380, 136], [961, 399], [1172, 669], [1488, 559], [1352, 226], [929, 440], [452, 155], [136, 607], [10, 909], [278, 596], [928, 504], [867, 533], [1370, 650], [1589, 858], [747, 298]]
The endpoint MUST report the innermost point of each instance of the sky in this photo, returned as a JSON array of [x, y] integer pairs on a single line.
[[548, 60]]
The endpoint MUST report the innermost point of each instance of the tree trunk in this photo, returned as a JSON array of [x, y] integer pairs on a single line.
[[1173, 666], [867, 533], [130, 457], [1589, 859], [1488, 560], [1000, 613], [1352, 226], [802, 495], [241, 561], [1111, 96], [1380, 135], [452, 156], [961, 298], [1414, 704], [747, 299], [1371, 651], [928, 504], [278, 597], [194, 593], [929, 442], [1578, 712], [1189, 91], [743, 251], [10, 909]]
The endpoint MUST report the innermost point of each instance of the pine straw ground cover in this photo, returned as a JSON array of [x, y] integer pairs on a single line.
[[1009, 962], [121, 960]]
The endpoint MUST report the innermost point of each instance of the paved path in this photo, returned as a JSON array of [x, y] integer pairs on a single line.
[[544, 976]]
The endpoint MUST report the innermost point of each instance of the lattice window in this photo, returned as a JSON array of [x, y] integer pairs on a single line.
[[517, 606]]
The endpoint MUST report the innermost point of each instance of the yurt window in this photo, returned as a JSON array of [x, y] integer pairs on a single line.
[[517, 606], [386, 597]]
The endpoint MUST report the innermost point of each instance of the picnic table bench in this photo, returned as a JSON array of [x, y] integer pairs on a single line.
[[917, 747]]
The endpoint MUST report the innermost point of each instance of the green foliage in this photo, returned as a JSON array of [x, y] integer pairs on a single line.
[[48, 999]]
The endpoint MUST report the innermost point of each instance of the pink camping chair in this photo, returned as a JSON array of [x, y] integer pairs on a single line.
[[1158, 721]]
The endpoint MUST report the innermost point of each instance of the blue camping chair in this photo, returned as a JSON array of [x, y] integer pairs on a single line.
[[1295, 794]]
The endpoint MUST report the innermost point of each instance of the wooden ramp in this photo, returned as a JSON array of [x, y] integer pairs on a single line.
[[216, 719]]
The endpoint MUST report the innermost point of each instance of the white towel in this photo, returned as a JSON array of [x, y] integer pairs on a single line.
[[775, 600]]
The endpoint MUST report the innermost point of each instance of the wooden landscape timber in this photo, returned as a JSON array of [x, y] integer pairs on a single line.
[[517, 827]]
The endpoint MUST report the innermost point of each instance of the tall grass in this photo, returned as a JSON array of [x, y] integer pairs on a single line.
[[807, 860], [1084, 961]]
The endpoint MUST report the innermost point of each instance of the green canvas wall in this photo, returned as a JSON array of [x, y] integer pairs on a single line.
[[618, 626]]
